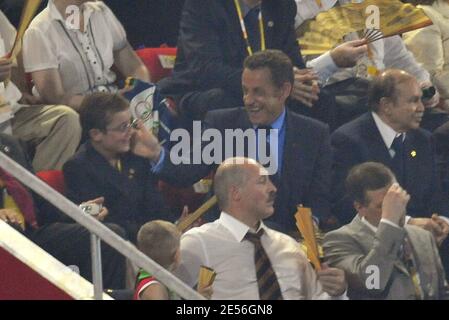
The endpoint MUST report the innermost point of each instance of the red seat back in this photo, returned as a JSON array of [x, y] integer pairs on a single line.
[[159, 61], [54, 178]]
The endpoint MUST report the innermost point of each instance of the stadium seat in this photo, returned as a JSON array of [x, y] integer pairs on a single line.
[[54, 178], [159, 61]]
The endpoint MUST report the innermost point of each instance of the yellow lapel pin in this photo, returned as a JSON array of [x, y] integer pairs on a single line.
[[413, 153]]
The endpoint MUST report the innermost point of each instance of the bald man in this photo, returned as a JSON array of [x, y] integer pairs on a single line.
[[246, 196]]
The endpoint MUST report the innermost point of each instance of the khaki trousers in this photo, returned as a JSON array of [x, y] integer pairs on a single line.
[[54, 131]]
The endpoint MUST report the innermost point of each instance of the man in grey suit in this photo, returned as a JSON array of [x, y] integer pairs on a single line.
[[383, 257]]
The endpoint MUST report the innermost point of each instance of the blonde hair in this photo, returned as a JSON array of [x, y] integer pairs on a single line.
[[160, 241]]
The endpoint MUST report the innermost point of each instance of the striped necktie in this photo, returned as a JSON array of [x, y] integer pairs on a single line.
[[266, 277]]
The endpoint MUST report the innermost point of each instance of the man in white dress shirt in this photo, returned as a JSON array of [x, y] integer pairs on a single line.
[[246, 196]]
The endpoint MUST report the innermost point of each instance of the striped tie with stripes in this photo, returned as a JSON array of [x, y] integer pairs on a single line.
[[266, 278]]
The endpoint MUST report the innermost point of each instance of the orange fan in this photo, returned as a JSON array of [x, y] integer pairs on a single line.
[[305, 226]]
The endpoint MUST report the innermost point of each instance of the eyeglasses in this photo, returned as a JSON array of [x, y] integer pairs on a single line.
[[125, 127]]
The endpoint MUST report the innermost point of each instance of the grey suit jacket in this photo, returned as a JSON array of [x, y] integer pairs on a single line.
[[355, 248]]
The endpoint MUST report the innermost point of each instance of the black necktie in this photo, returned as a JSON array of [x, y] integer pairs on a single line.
[[252, 27], [398, 158], [266, 277]]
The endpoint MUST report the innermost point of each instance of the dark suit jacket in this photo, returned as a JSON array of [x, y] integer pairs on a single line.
[[359, 141], [211, 48], [132, 196], [306, 164]]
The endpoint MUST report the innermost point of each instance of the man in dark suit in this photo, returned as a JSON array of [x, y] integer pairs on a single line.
[[303, 155], [390, 134], [212, 47]]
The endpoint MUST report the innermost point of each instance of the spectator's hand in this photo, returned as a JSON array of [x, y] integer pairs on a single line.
[[444, 229], [5, 69], [305, 88], [333, 280], [435, 225], [436, 97], [347, 54], [30, 99], [394, 204], [12, 217], [206, 292], [103, 212], [144, 143]]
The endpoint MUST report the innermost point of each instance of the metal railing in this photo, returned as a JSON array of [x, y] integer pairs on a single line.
[[98, 231]]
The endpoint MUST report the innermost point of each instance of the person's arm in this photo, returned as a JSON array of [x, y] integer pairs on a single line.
[[345, 55], [49, 85], [202, 46], [130, 65], [192, 258], [397, 56], [155, 291]]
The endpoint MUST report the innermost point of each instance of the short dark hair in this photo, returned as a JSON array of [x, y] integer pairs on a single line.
[[97, 110], [279, 64], [368, 176]]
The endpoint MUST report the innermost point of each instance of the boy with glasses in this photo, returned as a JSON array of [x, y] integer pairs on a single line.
[[114, 163]]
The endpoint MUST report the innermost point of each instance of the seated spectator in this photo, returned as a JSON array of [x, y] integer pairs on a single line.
[[429, 45], [160, 241], [67, 241], [350, 81], [212, 45], [53, 131], [390, 134], [70, 57], [383, 257], [110, 165], [239, 241]]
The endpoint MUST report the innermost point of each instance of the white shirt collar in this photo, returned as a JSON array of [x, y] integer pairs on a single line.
[[388, 133], [237, 228], [369, 225], [87, 7]]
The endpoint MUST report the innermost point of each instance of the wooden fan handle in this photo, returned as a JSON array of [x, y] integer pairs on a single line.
[[187, 222]]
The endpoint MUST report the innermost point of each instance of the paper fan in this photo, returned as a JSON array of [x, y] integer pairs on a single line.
[[206, 277], [305, 226], [328, 28]]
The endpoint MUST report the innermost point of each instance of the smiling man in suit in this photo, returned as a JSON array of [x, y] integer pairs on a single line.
[[303, 154]]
